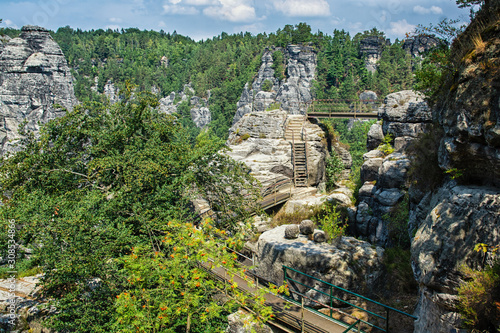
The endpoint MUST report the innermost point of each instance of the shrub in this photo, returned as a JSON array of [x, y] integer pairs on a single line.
[[386, 146], [245, 136], [332, 220], [267, 85], [479, 298], [397, 262], [333, 169], [397, 223]]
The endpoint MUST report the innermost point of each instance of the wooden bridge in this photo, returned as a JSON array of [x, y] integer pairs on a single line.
[[333, 108]]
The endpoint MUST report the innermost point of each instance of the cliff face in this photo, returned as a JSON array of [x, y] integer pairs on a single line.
[[371, 47], [34, 76], [453, 219], [292, 93]]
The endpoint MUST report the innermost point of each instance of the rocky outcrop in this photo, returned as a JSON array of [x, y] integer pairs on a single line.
[[352, 264], [371, 48], [34, 77], [292, 94], [457, 218], [199, 108], [469, 109], [258, 140], [384, 176], [405, 114], [420, 45]]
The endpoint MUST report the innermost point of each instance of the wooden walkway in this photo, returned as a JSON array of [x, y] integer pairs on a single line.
[[331, 108], [288, 316]]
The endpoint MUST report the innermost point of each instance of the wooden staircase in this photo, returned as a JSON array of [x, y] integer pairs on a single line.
[[295, 133]]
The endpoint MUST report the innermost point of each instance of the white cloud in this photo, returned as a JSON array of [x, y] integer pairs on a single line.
[[113, 27], [115, 19], [175, 2], [179, 10], [302, 8], [432, 10], [401, 27], [231, 10]]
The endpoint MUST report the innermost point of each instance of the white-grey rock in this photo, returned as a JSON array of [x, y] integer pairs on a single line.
[[291, 231], [353, 264], [393, 171], [369, 169], [243, 322], [34, 76], [306, 227], [458, 218], [319, 236], [375, 136], [292, 94]]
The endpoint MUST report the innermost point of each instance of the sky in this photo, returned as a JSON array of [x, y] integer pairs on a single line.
[[203, 19]]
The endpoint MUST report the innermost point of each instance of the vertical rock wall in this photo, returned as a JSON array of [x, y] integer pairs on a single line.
[[34, 76], [293, 93]]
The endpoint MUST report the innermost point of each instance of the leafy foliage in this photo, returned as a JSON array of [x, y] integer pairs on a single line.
[[98, 187], [333, 169], [332, 221], [479, 300]]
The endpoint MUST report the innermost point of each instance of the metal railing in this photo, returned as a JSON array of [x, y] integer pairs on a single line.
[[352, 108], [332, 287]]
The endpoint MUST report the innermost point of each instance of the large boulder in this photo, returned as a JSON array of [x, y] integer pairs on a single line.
[[405, 114], [352, 264], [34, 76], [458, 218]]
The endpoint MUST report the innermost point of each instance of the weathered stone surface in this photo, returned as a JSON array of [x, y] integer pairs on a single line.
[[291, 231], [34, 76], [369, 169], [393, 171], [353, 264], [375, 136], [243, 322], [404, 113], [420, 45], [389, 197], [306, 227], [344, 155], [319, 236], [291, 94], [371, 47], [199, 108], [257, 140], [458, 218]]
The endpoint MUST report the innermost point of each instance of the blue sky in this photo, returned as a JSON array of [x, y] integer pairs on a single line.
[[202, 19]]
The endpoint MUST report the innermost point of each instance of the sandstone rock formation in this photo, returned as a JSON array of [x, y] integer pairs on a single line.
[[258, 140], [457, 218], [420, 45], [199, 109], [453, 219], [291, 94], [34, 77], [371, 47], [404, 115], [353, 264]]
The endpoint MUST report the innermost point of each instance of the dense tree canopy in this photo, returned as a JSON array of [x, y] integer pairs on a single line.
[[99, 196]]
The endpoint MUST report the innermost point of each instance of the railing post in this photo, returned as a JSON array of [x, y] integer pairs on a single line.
[[387, 320], [331, 301], [302, 314]]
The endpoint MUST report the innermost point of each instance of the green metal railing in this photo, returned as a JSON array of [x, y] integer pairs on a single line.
[[331, 296]]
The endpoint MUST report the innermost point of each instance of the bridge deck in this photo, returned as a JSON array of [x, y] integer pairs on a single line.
[[356, 115]]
